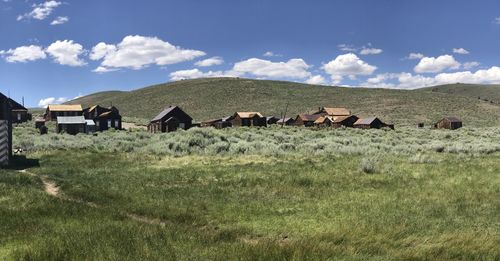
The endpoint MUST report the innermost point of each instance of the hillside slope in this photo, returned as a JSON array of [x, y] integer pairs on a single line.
[[489, 93], [218, 97]]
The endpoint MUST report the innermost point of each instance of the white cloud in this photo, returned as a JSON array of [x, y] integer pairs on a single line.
[[347, 48], [370, 50], [316, 80], [66, 52], [496, 20], [293, 68], [195, 73], [491, 75], [51, 100], [40, 11], [415, 56], [347, 65], [435, 65], [24, 54], [470, 65], [216, 60], [101, 69], [136, 52], [460, 51], [60, 20], [271, 54]]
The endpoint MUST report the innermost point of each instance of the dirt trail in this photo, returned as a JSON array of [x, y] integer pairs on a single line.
[[52, 189]]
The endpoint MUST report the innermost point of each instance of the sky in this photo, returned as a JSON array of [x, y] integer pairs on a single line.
[[57, 50]]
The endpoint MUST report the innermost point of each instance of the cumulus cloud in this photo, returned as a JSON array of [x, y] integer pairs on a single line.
[[316, 80], [415, 56], [195, 73], [293, 68], [347, 65], [66, 52], [470, 65], [60, 20], [51, 100], [435, 65], [24, 54], [40, 11], [370, 50], [216, 60], [347, 48], [136, 52], [101, 69], [460, 51]]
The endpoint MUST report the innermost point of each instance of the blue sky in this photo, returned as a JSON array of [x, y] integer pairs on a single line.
[[52, 51]]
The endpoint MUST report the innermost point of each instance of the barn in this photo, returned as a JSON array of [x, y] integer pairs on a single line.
[[248, 119], [53, 111], [5, 131], [19, 112], [450, 123], [170, 119], [333, 111], [71, 124], [306, 120]]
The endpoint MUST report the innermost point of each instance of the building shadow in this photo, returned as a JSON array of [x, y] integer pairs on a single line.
[[20, 162]]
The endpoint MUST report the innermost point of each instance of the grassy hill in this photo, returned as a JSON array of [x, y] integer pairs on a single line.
[[489, 93], [217, 97]]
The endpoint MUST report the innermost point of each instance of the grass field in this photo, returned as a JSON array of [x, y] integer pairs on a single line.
[[341, 195]]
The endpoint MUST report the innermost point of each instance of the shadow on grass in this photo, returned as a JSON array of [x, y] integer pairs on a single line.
[[20, 162]]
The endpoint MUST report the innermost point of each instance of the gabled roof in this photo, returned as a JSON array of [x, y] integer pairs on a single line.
[[332, 111], [166, 111], [15, 106], [71, 120], [452, 119], [338, 119], [366, 121], [60, 107], [285, 120], [90, 122], [246, 115], [309, 117]]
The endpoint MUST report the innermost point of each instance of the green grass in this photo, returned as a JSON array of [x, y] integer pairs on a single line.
[[487, 93], [205, 99]]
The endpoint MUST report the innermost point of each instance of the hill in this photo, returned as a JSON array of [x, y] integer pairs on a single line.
[[488, 93], [217, 97]]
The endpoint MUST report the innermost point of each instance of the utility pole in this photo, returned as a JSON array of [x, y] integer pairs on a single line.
[[284, 115], [23, 101]]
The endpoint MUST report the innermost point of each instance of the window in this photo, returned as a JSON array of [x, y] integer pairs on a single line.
[[19, 116], [117, 124], [97, 124], [182, 125], [109, 123]]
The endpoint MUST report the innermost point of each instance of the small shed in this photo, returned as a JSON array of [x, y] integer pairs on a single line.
[[5, 131], [248, 119], [71, 124], [369, 123], [39, 123], [170, 119], [19, 113], [450, 123], [306, 120], [286, 121]]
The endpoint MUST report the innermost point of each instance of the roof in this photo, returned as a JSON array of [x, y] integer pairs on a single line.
[[244, 115], [320, 120], [309, 117], [71, 120], [93, 107], [336, 111], [365, 121], [166, 111], [338, 119], [90, 122], [452, 119], [59, 107], [284, 120], [16, 106]]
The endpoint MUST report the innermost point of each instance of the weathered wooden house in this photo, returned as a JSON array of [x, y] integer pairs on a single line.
[[71, 124], [371, 123], [110, 119], [271, 120], [248, 119], [19, 113], [5, 131], [306, 120], [324, 121], [333, 111], [53, 111], [286, 121], [217, 123], [450, 123], [170, 119], [344, 121]]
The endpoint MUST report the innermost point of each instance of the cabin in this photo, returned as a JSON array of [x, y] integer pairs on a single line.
[[71, 124], [344, 121], [216, 123], [333, 111], [306, 120], [450, 123], [271, 120], [55, 110], [170, 119], [19, 112], [286, 121], [324, 121], [248, 119], [371, 123], [5, 131], [110, 119]]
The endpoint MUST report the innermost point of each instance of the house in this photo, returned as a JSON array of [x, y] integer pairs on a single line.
[[248, 119], [332, 111], [170, 119], [346, 121], [286, 121], [271, 120], [71, 124], [53, 111], [5, 131], [104, 118], [324, 121], [371, 123], [306, 120], [450, 123], [19, 112]]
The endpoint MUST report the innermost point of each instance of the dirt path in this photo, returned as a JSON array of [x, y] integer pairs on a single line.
[[52, 189]]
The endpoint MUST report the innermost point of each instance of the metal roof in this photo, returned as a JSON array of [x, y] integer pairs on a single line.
[[309, 117], [245, 115], [166, 112], [365, 121], [71, 120], [452, 119], [285, 120], [90, 122], [59, 107]]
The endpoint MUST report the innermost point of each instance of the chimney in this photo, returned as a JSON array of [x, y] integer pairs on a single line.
[[23, 101]]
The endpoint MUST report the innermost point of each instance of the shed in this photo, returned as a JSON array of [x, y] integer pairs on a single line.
[[306, 120], [5, 131], [19, 112], [346, 121], [71, 124], [333, 111], [271, 120], [39, 123], [286, 121], [450, 123], [56, 110], [248, 119], [369, 123], [170, 119]]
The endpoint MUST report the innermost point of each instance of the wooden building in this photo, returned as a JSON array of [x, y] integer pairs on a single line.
[[170, 119], [71, 124], [286, 121], [306, 120], [344, 121], [5, 131], [248, 119], [324, 121], [371, 123], [271, 120], [54, 111], [19, 113], [450, 123], [216, 123], [333, 111], [104, 118]]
